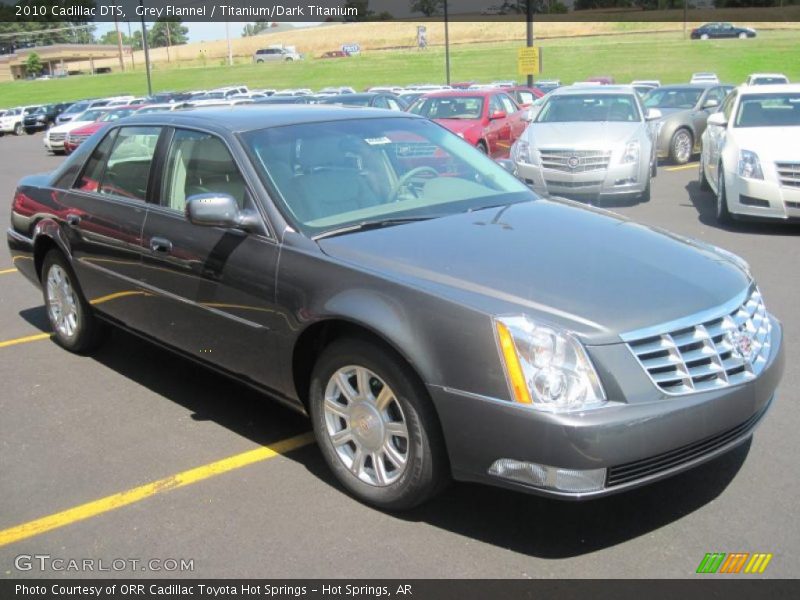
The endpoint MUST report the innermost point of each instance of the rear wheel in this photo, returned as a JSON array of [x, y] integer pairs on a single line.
[[680, 146], [376, 426], [743, 36], [74, 325], [704, 36], [723, 214], [18, 129]]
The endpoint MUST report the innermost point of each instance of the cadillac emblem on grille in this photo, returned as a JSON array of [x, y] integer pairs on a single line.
[[742, 343], [573, 162]]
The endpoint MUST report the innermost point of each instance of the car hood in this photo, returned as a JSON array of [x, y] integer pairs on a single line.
[[670, 113], [770, 143], [587, 136], [68, 126], [590, 271]]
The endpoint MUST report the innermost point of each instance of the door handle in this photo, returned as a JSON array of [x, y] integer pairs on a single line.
[[159, 244], [73, 219]]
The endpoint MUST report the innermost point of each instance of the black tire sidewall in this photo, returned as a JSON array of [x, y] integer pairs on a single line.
[[424, 470], [723, 214]]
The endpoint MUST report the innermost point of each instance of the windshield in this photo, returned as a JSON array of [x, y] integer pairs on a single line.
[[673, 98], [114, 115], [93, 114], [450, 107], [769, 80], [337, 174], [769, 110], [589, 108], [351, 100], [76, 108]]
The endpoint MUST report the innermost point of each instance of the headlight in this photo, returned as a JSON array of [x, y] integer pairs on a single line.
[[521, 152], [547, 368], [631, 154], [749, 165]]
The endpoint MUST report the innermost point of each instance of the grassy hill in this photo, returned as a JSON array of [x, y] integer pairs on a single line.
[[663, 55]]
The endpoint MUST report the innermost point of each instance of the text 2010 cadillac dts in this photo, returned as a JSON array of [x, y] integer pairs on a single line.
[[432, 315]]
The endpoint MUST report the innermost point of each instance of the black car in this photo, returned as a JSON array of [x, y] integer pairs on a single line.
[[43, 117], [722, 30], [368, 99], [286, 100]]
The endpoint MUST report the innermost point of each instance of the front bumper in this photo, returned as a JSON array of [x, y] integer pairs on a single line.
[[637, 442], [761, 198], [53, 145], [617, 180]]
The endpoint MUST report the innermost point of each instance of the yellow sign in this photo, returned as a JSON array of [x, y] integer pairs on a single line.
[[529, 61]]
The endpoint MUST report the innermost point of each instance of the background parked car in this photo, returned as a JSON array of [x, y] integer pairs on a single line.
[[488, 119], [684, 109], [372, 99], [704, 77], [523, 95], [766, 79], [721, 30], [43, 117], [12, 121], [78, 108], [80, 134], [55, 137], [334, 54]]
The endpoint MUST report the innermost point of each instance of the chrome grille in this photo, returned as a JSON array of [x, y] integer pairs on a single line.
[[789, 173], [57, 137], [572, 184], [727, 349], [78, 139], [558, 159]]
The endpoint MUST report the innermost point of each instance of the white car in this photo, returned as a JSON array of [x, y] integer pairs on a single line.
[[704, 78], [54, 137], [11, 121], [750, 157], [766, 79]]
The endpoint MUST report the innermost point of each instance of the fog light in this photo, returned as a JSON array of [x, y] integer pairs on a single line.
[[626, 181], [551, 478]]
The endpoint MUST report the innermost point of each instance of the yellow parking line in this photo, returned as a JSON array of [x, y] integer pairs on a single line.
[[24, 340], [7, 271], [682, 167], [103, 505]]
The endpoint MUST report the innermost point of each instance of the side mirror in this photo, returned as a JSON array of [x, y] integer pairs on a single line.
[[653, 114], [498, 114], [718, 119], [218, 210], [711, 103]]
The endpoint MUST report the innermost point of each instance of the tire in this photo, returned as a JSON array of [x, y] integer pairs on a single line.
[[18, 129], [654, 168], [645, 195], [259, 61], [289, 59], [742, 36], [723, 214], [30, 131], [701, 176], [704, 36], [410, 471], [77, 330], [482, 147], [680, 146]]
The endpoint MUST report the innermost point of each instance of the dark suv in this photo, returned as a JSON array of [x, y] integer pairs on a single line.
[[43, 117]]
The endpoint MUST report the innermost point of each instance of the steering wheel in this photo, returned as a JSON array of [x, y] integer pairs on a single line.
[[408, 177]]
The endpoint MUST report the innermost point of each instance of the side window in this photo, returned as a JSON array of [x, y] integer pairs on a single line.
[[128, 168], [727, 106], [717, 94], [199, 163], [508, 104], [89, 181], [495, 105], [393, 104], [380, 102]]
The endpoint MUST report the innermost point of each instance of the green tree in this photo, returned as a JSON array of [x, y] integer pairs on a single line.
[[251, 29], [33, 65], [110, 37], [166, 32], [426, 7]]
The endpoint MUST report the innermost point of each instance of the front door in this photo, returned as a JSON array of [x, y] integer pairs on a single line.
[[214, 287]]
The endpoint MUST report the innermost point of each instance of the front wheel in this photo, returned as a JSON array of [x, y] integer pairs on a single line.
[[704, 36], [18, 129], [646, 194], [376, 427], [680, 147], [74, 325], [723, 214], [742, 36]]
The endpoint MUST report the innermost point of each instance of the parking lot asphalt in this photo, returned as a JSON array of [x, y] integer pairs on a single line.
[[117, 427]]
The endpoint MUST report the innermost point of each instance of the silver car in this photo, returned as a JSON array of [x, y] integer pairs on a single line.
[[588, 142], [276, 54]]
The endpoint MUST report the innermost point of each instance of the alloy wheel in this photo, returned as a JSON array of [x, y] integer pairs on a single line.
[[61, 302], [682, 146], [366, 425]]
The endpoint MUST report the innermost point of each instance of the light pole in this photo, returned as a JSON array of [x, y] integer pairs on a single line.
[[529, 31], [446, 42], [146, 52]]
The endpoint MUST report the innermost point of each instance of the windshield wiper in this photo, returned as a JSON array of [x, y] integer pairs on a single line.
[[366, 225]]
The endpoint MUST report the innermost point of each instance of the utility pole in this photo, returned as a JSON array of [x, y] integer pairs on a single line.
[[119, 44], [228, 37], [146, 52], [685, 3], [169, 39], [529, 28], [130, 41], [447, 42]]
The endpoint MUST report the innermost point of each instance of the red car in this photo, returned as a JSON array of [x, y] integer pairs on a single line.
[[77, 136], [524, 95], [335, 54], [488, 119]]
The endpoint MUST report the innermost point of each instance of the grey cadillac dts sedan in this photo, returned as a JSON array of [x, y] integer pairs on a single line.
[[432, 316]]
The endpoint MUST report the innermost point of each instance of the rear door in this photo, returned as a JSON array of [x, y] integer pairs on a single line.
[[105, 212], [214, 287]]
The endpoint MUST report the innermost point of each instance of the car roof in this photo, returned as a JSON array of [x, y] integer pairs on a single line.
[[682, 86], [594, 89], [793, 88], [466, 93], [251, 117]]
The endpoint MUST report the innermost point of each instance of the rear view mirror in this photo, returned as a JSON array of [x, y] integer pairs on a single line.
[[711, 103], [653, 114], [218, 210]]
